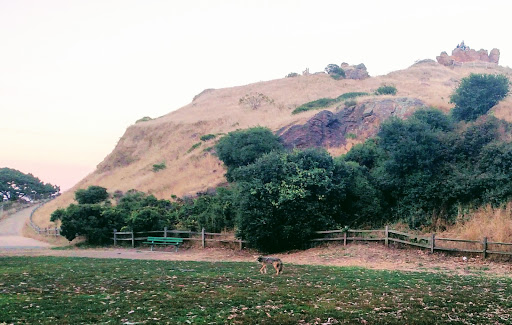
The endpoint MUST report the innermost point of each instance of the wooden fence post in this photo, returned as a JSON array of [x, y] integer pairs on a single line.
[[165, 231], [432, 243], [115, 237], [386, 240], [55, 231], [345, 238], [240, 243], [202, 237], [485, 247], [133, 239]]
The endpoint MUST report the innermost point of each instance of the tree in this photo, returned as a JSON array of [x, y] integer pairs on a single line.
[[92, 195], [243, 147], [283, 198], [15, 184], [477, 94], [335, 71]]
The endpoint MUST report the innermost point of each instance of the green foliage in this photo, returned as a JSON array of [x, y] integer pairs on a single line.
[[144, 119], [207, 137], [15, 184], [194, 146], [160, 166], [325, 102], [243, 147], [386, 90], [335, 71], [350, 136], [477, 94], [351, 95], [292, 75], [92, 195]]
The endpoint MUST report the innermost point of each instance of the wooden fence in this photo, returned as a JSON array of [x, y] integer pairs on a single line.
[[430, 242], [203, 236], [48, 231]]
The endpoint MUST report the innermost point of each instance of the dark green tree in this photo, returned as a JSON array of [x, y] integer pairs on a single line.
[[335, 71], [92, 195], [243, 147], [15, 184], [477, 94]]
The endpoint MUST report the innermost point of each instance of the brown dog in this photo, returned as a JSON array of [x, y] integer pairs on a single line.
[[276, 263]]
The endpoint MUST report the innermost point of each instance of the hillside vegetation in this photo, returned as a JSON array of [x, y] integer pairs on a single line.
[[175, 140]]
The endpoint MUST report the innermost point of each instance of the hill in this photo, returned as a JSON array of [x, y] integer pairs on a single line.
[[174, 140]]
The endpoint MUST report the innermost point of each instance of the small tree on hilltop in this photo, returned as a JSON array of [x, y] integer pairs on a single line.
[[477, 94], [335, 71]]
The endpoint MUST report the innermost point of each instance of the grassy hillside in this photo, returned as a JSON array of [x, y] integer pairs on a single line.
[[174, 139]]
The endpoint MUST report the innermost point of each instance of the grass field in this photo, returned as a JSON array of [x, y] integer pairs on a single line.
[[57, 290]]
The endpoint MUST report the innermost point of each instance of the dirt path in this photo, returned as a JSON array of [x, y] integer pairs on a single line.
[[11, 232]]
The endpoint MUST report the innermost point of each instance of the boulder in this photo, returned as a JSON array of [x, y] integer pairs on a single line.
[[494, 56], [328, 129], [357, 72], [463, 54]]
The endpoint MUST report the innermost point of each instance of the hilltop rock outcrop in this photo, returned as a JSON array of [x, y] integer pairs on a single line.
[[357, 72], [328, 129], [463, 53]]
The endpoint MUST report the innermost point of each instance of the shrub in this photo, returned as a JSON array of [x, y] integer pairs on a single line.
[[386, 90], [350, 136], [292, 75], [477, 94], [319, 103], [335, 71], [254, 101], [243, 147], [144, 119], [351, 95], [207, 137], [160, 166], [92, 195], [194, 146]]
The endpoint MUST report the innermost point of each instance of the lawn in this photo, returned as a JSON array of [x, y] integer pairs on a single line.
[[63, 290]]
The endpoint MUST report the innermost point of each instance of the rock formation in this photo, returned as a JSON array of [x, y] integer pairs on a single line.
[[463, 53], [328, 129], [355, 71]]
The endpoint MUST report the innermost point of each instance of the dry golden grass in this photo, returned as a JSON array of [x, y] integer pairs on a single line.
[[168, 138]]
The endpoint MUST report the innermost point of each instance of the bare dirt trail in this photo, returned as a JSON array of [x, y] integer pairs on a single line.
[[11, 232]]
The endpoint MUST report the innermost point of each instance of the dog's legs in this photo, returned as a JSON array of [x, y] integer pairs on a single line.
[[276, 266], [263, 268]]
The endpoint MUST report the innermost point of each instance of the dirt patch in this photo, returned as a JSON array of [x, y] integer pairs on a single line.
[[372, 256]]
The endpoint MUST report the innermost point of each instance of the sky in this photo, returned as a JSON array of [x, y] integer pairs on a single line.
[[75, 74]]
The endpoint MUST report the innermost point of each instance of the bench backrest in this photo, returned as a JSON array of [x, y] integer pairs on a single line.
[[166, 239]]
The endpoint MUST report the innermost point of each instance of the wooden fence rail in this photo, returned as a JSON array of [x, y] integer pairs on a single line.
[[48, 231], [184, 234], [428, 242]]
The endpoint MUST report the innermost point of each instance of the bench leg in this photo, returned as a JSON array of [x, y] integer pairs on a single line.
[[177, 248], [151, 247]]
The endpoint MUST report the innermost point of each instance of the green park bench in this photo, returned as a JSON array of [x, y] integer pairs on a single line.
[[164, 241]]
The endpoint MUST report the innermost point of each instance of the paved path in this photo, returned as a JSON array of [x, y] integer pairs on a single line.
[[10, 232]]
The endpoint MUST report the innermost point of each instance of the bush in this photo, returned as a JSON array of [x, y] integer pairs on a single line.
[[386, 90], [254, 101], [158, 167], [477, 94], [292, 75], [335, 71], [350, 103], [92, 195], [207, 137], [194, 146], [144, 119], [243, 147], [324, 102]]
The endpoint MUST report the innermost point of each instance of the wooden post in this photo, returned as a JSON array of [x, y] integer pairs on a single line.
[[46, 231], [133, 239], [432, 243], [115, 237], [386, 240], [485, 247], [202, 237], [345, 238], [165, 231], [240, 243]]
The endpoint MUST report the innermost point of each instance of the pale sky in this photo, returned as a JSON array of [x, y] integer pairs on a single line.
[[75, 74]]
